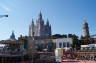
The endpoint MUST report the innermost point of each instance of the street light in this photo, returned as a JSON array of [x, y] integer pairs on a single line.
[[1, 16]]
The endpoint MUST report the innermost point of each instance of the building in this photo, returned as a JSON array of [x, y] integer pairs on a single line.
[[86, 30], [40, 28], [39, 34], [63, 42], [89, 47], [39, 42], [87, 38]]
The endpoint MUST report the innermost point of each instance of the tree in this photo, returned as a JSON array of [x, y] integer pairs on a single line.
[[81, 37], [59, 36], [76, 42], [25, 40]]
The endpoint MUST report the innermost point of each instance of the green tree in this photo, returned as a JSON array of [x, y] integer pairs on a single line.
[[24, 40], [76, 43]]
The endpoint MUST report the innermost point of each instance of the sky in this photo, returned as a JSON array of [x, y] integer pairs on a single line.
[[65, 16]]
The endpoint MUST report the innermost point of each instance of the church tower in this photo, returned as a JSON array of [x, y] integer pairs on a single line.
[[86, 30], [31, 29], [40, 25]]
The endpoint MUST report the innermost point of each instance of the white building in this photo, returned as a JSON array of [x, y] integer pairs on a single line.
[[63, 43], [88, 47]]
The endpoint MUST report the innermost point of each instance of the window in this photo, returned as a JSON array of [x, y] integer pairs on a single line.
[[64, 44], [60, 45]]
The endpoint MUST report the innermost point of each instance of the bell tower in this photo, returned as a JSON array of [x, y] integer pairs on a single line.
[[86, 30]]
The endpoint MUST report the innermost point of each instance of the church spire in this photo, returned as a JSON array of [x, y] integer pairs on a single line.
[[32, 22], [50, 30], [29, 30], [40, 20], [40, 15], [47, 23]]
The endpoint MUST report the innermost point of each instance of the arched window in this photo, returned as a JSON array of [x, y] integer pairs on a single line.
[[64, 44], [60, 45]]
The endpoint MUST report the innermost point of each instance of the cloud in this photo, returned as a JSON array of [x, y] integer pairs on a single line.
[[6, 8]]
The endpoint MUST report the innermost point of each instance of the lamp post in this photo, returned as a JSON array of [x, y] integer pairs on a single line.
[[1, 16]]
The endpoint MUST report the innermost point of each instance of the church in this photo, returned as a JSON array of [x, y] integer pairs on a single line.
[[40, 34], [40, 29]]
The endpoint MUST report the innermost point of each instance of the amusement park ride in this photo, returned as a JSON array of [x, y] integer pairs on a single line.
[[12, 52]]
